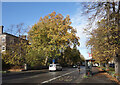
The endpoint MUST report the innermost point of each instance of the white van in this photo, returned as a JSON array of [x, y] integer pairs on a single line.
[[54, 67]]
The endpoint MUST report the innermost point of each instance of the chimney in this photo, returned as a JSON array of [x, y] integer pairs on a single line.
[[1, 29]]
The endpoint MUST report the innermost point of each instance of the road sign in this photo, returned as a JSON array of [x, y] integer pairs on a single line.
[[53, 60], [90, 55]]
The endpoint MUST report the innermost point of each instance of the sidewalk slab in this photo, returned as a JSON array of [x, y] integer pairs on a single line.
[[98, 77]]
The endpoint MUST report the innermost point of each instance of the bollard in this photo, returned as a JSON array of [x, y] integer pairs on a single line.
[[25, 66]]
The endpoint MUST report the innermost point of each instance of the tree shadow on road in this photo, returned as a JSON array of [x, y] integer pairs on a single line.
[[22, 75]]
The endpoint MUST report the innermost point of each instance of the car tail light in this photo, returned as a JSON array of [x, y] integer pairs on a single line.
[[54, 66]]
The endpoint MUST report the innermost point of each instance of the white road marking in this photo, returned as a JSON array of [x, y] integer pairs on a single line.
[[44, 81], [57, 77]]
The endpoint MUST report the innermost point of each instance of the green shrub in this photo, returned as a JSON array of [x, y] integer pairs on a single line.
[[85, 76], [111, 69]]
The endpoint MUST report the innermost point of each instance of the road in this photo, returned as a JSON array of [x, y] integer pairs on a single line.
[[68, 75]]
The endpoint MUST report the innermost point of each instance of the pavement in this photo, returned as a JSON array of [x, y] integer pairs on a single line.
[[67, 76], [99, 77]]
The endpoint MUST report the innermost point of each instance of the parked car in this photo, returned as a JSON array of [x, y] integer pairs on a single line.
[[54, 67], [74, 66], [95, 64], [112, 65]]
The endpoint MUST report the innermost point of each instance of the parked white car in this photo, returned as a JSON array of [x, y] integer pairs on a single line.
[[74, 66], [54, 67], [95, 64]]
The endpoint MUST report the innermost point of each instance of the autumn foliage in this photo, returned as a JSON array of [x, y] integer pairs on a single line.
[[51, 35]]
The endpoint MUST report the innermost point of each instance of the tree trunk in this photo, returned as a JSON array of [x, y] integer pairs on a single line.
[[117, 67], [108, 20], [117, 59], [113, 6], [107, 66], [46, 59]]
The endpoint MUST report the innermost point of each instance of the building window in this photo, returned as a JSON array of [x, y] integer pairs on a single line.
[[3, 48], [3, 39]]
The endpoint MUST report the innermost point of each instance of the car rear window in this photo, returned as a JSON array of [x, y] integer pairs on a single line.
[[51, 65]]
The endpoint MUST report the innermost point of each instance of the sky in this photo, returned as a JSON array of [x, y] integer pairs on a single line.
[[29, 13]]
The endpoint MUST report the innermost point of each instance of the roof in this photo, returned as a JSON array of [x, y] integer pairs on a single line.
[[12, 35]]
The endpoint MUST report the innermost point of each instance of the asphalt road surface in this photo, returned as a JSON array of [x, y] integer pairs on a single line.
[[67, 75]]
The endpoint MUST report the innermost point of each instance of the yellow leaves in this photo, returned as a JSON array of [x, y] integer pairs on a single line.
[[52, 32], [40, 19], [106, 38]]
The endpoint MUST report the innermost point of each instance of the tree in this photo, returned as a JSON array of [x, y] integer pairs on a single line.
[[14, 56], [82, 58], [16, 48], [51, 35], [101, 50], [34, 58], [109, 11], [71, 56]]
